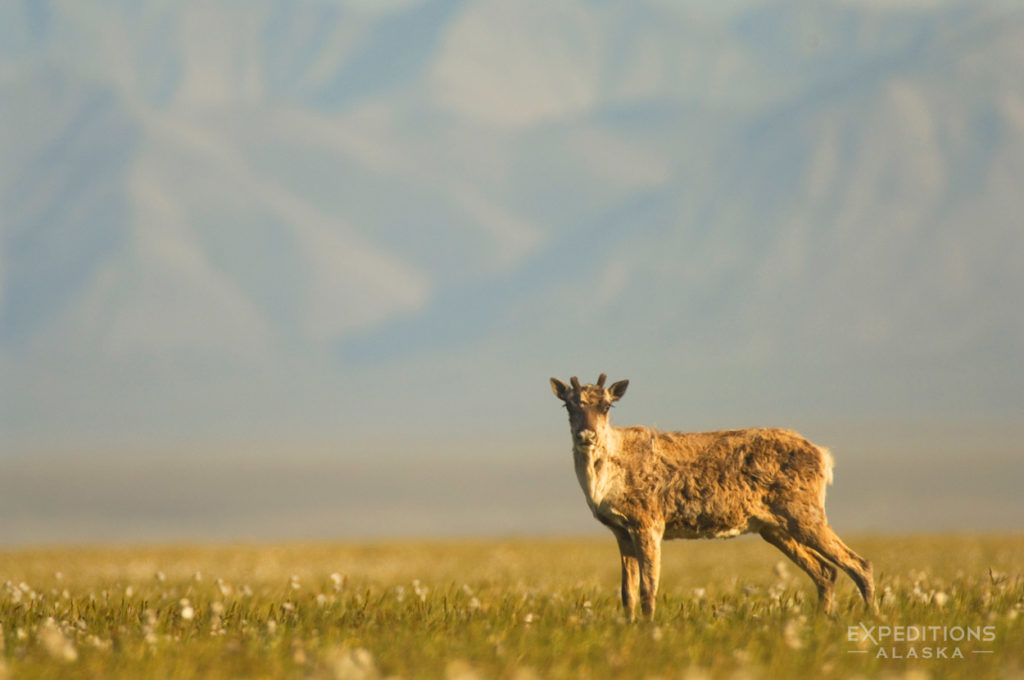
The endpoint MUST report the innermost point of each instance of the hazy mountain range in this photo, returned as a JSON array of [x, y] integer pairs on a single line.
[[327, 221]]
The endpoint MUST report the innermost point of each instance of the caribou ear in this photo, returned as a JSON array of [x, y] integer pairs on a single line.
[[560, 389], [618, 389]]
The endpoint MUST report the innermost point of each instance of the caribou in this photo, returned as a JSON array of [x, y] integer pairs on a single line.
[[647, 485]]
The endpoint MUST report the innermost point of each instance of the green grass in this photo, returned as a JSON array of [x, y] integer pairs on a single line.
[[505, 609]]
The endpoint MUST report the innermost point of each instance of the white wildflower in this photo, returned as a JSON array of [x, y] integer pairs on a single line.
[[791, 634], [96, 642], [56, 644], [187, 613], [420, 590], [352, 664]]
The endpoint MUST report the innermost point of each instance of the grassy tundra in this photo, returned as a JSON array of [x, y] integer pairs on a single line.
[[505, 609]]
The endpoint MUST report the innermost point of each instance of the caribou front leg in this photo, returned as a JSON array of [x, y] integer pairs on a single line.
[[647, 541], [630, 572]]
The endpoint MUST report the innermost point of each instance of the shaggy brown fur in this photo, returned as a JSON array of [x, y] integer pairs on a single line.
[[646, 485]]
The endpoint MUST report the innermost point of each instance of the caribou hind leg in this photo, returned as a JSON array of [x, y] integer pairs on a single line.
[[820, 570], [810, 529]]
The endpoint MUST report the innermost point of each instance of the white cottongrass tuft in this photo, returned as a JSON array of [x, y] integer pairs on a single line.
[[102, 645], [420, 590], [56, 644], [352, 664], [791, 634]]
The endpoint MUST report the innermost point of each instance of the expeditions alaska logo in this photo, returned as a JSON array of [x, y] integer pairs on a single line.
[[920, 642]]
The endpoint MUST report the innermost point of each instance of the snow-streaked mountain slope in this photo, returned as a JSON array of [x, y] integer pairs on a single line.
[[316, 216]]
